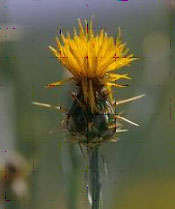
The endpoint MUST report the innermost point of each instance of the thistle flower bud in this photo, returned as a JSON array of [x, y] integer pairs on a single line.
[[91, 128]]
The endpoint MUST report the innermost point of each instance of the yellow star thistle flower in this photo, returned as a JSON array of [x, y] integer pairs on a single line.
[[92, 117], [91, 59]]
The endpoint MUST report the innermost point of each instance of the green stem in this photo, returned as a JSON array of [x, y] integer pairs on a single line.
[[94, 177]]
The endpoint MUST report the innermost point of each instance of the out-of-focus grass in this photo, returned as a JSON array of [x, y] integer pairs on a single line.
[[149, 192]]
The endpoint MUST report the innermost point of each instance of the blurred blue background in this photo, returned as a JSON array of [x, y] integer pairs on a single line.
[[141, 164]]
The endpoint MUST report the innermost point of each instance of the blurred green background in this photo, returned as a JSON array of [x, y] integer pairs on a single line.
[[141, 165]]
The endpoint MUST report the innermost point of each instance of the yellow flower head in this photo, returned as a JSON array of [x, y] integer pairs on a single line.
[[91, 58]]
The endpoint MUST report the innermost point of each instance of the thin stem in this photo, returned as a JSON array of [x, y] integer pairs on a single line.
[[94, 177]]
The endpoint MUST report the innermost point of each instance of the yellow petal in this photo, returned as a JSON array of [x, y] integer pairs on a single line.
[[91, 33], [59, 83], [115, 77], [115, 85], [81, 29], [85, 89], [53, 50], [91, 97]]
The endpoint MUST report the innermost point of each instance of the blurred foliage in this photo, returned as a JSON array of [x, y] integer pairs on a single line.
[[141, 164]]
